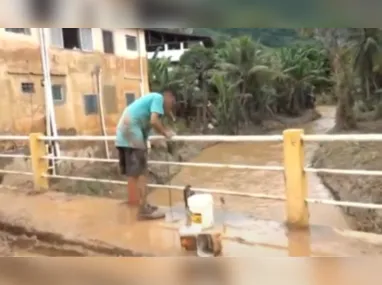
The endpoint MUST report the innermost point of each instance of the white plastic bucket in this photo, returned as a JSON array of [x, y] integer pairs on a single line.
[[202, 210]]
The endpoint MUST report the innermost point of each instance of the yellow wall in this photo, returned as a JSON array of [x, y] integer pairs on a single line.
[[20, 61], [119, 40]]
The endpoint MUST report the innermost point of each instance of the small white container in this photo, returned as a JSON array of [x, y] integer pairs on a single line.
[[202, 211]]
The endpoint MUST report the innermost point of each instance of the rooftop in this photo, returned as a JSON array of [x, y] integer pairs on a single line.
[[164, 33]]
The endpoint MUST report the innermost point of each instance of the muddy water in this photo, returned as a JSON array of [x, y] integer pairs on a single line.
[[265, 182], [244, 237]]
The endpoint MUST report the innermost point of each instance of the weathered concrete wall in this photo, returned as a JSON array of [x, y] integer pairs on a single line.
[[20, 61]]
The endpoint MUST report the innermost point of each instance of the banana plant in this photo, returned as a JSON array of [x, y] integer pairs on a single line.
[[228, 105], [300, 68]]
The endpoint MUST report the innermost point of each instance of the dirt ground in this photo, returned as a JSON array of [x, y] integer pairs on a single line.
[[368, 189], [158, 174]]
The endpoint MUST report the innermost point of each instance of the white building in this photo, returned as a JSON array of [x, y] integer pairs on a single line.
[[169, 44]]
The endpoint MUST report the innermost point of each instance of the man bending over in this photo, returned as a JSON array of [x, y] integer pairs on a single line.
[[133, 130]]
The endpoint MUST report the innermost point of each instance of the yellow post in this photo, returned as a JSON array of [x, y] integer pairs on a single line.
[[295, 180], [40, 165]]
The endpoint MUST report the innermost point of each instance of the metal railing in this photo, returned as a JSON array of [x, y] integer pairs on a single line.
[[294, 170]]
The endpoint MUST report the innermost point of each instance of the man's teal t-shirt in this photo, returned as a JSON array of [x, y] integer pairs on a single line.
[[134, 125]]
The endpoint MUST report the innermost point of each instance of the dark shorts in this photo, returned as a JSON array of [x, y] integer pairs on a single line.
[[132, 161]]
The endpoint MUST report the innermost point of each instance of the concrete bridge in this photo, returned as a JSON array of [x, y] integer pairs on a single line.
[[38, 222]]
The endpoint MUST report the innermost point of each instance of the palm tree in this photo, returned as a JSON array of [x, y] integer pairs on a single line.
[[336, 42], [228, 108], [243, 63], [367, 48], [343, 75], [200, 61], [301, 68], [159, 73]]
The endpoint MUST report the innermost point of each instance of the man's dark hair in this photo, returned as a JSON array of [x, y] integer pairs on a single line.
[[169, 90]]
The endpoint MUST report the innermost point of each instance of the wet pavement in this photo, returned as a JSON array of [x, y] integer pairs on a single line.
[[58, 224], [105, 223], [253, 181], [88, 226]]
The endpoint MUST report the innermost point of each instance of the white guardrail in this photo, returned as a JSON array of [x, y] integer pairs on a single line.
[[210, 138]]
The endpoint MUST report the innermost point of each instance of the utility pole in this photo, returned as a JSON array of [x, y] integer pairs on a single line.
[[51, 127]]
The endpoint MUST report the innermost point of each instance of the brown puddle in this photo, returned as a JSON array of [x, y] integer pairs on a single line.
[[57, 224], [261, 182]]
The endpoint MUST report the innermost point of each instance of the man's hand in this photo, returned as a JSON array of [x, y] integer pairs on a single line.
[[169, 134], [157, 125], [158, 144]]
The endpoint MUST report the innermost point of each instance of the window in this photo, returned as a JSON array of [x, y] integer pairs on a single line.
[[72, 38], [56, 37], [86, 37], [110, 99], [154, 48], [25, 31], [27, 87], [58, 93], [108, 41], [91, 104], [130, 98], [173, 46], [131, 43]]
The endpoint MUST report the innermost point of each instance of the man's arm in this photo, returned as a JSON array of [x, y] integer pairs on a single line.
[[157, 111], [157, 125]]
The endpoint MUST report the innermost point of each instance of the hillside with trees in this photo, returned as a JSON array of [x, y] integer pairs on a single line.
[[271, 37], [266, 36], [245, 80], [258, 81]]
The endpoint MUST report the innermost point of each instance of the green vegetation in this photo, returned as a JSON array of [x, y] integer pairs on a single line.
[[245, 82], [265, 36]]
